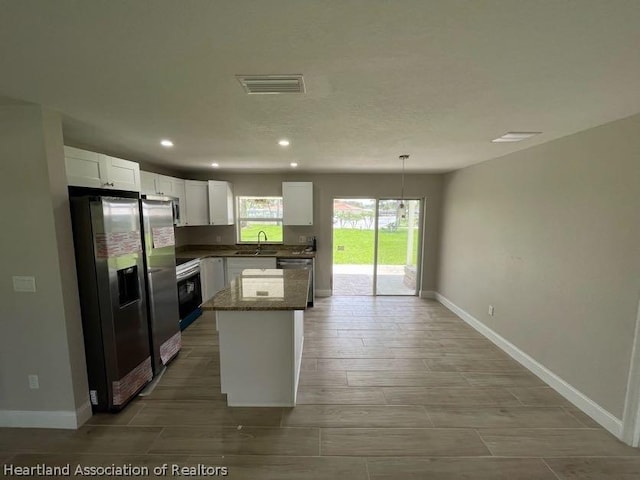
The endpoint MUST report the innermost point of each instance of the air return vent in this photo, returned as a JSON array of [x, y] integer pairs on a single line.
[[271, 84]]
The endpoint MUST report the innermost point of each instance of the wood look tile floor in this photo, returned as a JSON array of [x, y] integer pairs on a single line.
[[390, 388]]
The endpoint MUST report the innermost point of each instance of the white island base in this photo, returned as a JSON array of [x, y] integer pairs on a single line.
[[260, 356]]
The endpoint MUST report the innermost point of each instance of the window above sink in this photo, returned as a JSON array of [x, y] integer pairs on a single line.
[[256, 214]]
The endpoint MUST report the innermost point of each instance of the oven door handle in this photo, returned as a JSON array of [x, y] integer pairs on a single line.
[[188, 274]]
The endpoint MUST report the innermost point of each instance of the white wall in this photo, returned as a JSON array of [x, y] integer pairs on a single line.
[[326, 188], [41, 331], [551, 237]]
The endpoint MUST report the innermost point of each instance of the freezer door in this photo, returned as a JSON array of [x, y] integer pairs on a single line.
[[161, 281]]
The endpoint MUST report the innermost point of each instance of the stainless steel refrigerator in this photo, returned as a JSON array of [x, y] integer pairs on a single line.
[[160, 264], [111, 284]]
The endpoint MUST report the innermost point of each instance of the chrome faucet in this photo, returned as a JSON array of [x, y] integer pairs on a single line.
[[265, 239]]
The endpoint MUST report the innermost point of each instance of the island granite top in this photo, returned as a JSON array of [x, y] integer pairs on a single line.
[[268, 289]]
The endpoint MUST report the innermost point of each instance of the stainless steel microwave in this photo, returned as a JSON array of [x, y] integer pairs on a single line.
[[175, 205]]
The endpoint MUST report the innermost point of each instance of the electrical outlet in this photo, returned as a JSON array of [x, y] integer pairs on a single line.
[[34, 384], [491, 310], [218, 239], [24, 284], [302, 239]]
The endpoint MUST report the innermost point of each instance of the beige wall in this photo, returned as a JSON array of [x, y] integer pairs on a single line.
[[326, 188], [41, 331], [551, 237]]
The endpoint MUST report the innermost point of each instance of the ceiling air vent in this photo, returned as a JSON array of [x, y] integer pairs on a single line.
[[271, 84]]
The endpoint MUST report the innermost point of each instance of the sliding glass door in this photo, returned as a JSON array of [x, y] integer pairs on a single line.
[[398, 247], [376, 246], [353, 246]]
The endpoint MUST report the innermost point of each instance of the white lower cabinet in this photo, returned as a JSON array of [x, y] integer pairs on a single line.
[[235, 266], [212, 273]]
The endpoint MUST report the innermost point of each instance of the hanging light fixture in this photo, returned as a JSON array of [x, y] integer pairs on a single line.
[[403, 158]]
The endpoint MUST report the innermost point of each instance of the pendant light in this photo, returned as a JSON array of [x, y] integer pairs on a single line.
[[403, 158]]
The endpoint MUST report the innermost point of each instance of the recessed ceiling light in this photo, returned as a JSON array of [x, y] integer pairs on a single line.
[[166, 143], [215, 165], [514, 137], [284, 142], [294, 164]]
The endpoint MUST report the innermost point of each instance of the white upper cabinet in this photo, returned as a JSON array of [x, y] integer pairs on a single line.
[[220, 203], [156, 184], [90, 169], [122, 174], [196, 210], [164, 185], [147, 183], [297, 203], [84, 168], [178, 191]]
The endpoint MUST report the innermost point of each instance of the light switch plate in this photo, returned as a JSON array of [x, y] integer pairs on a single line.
[[34, 382], [24, 284]]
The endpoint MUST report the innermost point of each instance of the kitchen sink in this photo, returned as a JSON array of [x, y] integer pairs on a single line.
[[256, 252]]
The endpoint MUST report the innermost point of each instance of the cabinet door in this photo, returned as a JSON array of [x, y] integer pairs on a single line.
[[84, 168], [212, 276], [178, 191], [220, 203], [197, 202], [121, 174], [297, 203], [147, 183], [164, 185]]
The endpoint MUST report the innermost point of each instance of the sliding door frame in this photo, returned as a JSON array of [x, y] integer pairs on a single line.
[[421, 231], [421, 235]]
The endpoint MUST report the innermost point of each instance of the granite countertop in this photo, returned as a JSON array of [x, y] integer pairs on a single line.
[[268, 289], [281, 251]]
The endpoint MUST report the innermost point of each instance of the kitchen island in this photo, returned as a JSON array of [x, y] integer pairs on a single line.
[[260, 328]]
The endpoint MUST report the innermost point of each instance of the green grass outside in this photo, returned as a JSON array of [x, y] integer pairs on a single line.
[[250, 233], [358, 244], [358, 247]]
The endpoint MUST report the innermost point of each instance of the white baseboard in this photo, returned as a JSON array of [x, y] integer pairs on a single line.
[[579, 399], [631, 415], [323, 293], [430, 294], [40, 419], [83, 414]]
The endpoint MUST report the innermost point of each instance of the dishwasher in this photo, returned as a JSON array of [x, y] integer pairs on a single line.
[[300, 264]]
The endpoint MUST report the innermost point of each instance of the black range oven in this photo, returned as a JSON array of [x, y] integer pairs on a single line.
[[189, 288]]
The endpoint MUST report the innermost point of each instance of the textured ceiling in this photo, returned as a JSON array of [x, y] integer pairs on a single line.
[[434, 79]]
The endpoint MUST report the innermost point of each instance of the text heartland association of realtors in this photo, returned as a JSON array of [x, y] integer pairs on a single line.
[[114, 470]]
